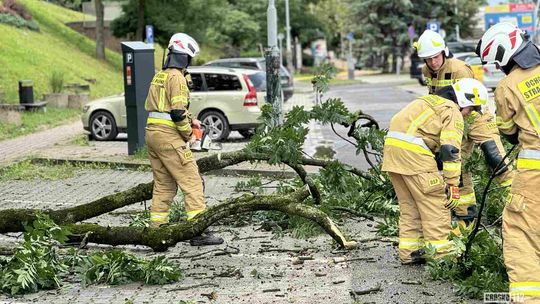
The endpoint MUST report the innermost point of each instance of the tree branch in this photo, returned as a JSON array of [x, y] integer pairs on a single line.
[[164, 237], [11, 220], [315, 193]]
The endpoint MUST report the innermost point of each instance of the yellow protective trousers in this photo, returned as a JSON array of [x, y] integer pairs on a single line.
[[423, 220], [173, 166], [521, 237]]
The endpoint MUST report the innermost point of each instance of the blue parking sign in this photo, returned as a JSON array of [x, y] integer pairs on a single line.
[[434, 26], [150, 34]]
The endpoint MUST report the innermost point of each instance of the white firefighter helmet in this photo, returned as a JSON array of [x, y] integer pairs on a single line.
[[499, 43], [430, 44], [183, 43], [470, 93]]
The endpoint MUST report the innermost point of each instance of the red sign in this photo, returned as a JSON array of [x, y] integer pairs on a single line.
[[128, 75], [517, 7]]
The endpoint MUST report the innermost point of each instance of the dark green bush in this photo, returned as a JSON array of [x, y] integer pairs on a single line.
[[18, 22]]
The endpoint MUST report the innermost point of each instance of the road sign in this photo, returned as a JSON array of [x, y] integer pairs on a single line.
[[521, 15], [411, 32], [434, 26], [350, 36], [150, 34]]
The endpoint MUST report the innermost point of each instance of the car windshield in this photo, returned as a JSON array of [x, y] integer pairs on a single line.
[[461, 47], [474, 61], [259, 81]]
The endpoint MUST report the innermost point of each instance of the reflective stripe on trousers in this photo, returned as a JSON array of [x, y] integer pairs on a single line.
[[507, 183], [193, 213], [418, 243], [411, 243], [467, 199], [162, 217], [407, 142], [529, 159], [525, 288], [441, 245]]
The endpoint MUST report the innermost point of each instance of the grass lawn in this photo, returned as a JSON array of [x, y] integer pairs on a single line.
[[38, 121], [345, 81], [33, 55]]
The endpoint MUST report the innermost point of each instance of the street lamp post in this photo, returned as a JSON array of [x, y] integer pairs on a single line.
[[280, 37], [350, 58], [288, 53], [272, 56]]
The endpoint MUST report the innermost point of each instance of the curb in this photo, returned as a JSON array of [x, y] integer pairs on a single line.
[[138, 165]]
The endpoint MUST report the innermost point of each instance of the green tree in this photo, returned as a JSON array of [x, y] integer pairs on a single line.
[[168, 17], [449, 13], [236, 33], [382, 28], [233, 26], [381, 25]]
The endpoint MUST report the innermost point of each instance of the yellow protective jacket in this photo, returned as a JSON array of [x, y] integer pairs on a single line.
[[427, 125], [518, 106], [450, 72], [169, 91]]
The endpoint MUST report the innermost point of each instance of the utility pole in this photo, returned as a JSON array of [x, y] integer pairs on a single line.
[[458, 38], [280, 47], [273, 88], [350, 58], [288, 53]]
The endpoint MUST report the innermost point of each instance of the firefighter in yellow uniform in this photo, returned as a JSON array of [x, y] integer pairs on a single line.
[[517, 97], [168, 134], [442, 70], [480, 130], [429, 124]]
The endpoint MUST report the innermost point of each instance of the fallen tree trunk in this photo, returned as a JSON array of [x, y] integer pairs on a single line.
[[12, 220], [162, 238]]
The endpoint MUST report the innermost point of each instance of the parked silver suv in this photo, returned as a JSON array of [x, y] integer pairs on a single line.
[[225, 99], [258, 63]]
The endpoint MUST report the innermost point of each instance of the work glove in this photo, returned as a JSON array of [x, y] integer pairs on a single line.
[[453, 197]]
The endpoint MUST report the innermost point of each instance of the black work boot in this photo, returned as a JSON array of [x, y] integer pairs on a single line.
[[206, 239], [418, 257]]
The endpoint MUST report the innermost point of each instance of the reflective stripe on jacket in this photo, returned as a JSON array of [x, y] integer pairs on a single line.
[[419, 130]]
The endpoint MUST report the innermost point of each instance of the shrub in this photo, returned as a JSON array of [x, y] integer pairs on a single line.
[[57, 81], [18, 22]]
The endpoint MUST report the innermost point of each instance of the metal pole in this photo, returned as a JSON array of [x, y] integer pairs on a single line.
[[288, 53], [271, 17], [458, 38], [350, 61], [273, 88], [535, 38], [280, 47]]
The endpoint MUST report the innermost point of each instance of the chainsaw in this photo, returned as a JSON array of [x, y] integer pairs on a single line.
[[203, 141]]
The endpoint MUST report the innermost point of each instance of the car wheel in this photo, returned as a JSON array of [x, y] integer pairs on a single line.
[[247, 134], [103, 126], [217, 123]]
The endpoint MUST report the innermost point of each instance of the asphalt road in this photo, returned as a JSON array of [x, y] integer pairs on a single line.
[[378, 100]]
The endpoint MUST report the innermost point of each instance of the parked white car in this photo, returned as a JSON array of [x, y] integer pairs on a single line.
[[224, 99], [488, 73]]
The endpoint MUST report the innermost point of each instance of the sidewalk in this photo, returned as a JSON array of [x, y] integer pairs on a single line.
[[20, 147], [389, 79]]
